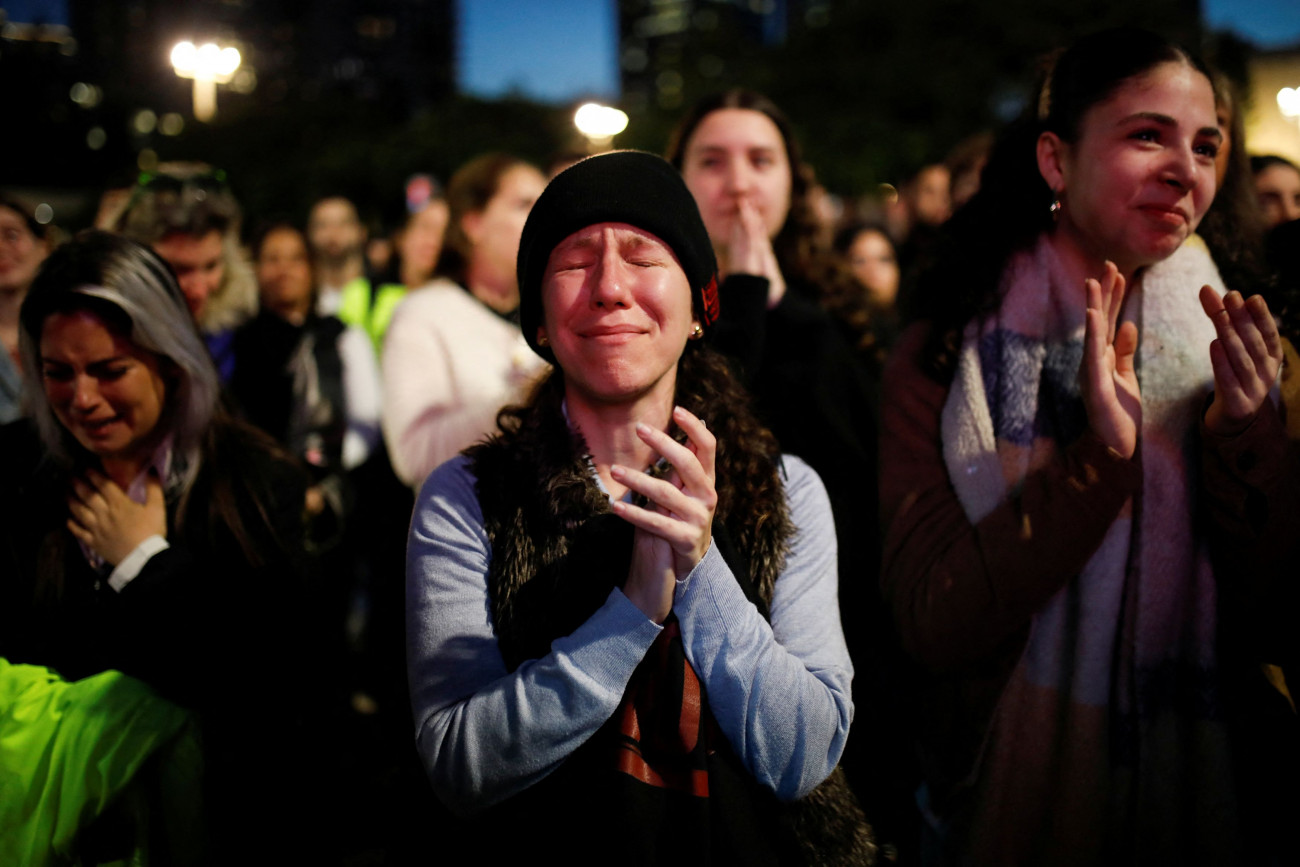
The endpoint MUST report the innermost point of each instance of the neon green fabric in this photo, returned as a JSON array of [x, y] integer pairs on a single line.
[[356, 309], [67, 749]]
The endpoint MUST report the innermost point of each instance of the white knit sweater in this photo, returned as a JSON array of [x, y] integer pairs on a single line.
[[449, 365]]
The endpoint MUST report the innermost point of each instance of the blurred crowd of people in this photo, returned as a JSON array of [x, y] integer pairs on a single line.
[[1062, 518]]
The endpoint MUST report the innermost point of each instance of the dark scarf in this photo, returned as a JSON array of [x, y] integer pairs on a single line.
[[658, 783]]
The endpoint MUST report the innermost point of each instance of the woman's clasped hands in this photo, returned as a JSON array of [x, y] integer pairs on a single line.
[[675, 528], [749, 250]]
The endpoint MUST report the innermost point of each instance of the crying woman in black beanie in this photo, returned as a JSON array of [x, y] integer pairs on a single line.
[[624, 635]]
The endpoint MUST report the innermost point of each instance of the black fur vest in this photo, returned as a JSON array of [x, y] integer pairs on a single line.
[[558, 548]]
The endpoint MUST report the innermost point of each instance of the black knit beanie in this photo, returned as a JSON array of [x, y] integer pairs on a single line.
[[631, 187]]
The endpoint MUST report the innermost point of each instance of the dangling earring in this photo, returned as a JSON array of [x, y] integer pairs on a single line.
[[697, 332], [1055, 208]]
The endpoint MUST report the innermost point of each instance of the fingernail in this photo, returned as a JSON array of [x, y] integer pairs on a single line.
[[616, 469], [642, 427]]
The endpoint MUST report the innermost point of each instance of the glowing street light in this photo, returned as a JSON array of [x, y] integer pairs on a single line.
[[1288, 100], [209, 65], [599, 123]]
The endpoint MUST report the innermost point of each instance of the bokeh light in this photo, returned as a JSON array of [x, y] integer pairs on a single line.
[[599, 121]]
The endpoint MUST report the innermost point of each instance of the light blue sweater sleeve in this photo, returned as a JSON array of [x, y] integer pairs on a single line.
[[484, 733], [779, 693]]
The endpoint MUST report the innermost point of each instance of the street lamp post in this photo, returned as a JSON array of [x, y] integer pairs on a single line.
[[209, 66]]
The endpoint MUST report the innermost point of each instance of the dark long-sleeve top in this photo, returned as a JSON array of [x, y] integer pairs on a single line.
[[197, 618], [812, 392]]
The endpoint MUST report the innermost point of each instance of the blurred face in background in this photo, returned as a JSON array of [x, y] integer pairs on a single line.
[[737, 155], [1278, 188], [872, 261], [930, 195], [21, 252], [494, 232], [199, 263], [335, 231], [421, 242], [284, 276], [966, 185]]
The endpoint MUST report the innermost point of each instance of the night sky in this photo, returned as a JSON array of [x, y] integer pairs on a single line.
[[557, 50], [551, 50]]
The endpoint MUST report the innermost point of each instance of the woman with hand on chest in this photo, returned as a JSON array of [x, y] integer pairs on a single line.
[[143, 530]]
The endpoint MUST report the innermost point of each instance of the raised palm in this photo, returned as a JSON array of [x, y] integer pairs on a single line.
[[1107, 376]]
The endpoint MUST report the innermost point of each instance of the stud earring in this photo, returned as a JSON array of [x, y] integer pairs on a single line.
[[697, 332], [541, 338]]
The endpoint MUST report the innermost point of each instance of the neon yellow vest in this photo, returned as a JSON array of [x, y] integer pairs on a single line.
[[356, 308]]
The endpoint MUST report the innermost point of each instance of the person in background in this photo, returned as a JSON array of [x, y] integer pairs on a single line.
[[23, 247], [418, 243], [965, 163], [338, 242], [453, 355], [1277, 184], [923, 204], [308, 380], [929, 197], [369, 302], [827, 211], [915, 221], [142, 530], [1079, 463], [113, 202], [1274, 633], [187, 213], [812, 388], [865, 250], [312, 383], [379, 248]]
